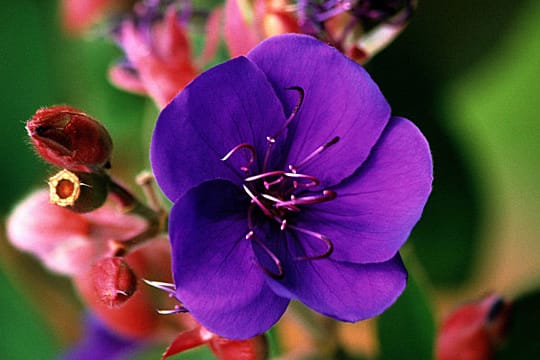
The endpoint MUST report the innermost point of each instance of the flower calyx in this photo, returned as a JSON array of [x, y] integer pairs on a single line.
[[114, 281]]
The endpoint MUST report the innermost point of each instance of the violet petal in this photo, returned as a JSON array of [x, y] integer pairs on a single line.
[[342, 290], [376, 208], [341, 100], [217, 277], [230, 104], [101, 343]]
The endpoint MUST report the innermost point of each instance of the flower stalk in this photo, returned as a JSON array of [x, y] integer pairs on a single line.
[[131, 205]]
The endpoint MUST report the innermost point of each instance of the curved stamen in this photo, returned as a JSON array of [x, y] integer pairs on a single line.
[[256, 200], [268, 185], [272, 256], [278, 201], [251, 236], [294, 111], [264, 175], [271, 198], [272, 139], [324, 239], [170, 289], [178, 309], [298, 179], [327, 195], [252, 153], [164, 286], [317, 151]]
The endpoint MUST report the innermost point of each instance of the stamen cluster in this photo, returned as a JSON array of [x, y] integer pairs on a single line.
[[280, 194]]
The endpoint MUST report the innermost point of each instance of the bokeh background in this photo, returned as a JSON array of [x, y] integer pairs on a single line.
[[467, 72]]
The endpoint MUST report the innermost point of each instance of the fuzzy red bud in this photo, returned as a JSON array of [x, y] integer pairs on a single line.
[[69, 138], [114, 281]]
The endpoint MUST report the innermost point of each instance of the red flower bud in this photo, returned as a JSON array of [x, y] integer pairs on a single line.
[[69, 138], [113, 280], [473, 330], [78, 191]]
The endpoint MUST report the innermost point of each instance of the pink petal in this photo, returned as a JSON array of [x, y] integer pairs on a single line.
[[240, 35], [188, 340]]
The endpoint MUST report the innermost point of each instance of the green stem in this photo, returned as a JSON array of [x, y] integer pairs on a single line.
[[131, 205]]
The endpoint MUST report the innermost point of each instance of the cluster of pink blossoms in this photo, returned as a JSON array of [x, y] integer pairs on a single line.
[[94, 230]]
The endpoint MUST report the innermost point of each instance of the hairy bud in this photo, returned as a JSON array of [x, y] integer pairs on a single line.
[[69, 138], [114, 281]]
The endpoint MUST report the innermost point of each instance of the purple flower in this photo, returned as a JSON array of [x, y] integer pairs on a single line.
[[290, 180]]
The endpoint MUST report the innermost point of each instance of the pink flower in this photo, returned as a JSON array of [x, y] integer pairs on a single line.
[[359, 29], [249, 22], [158, 53], [67, 242]]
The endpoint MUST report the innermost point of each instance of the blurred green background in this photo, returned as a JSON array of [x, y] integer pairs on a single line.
[[466, 72]]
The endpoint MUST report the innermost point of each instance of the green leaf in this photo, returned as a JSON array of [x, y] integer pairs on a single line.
[[406, 330], [24, 334], [24, 70]]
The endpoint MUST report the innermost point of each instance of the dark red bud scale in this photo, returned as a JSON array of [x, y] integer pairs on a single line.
[[113, 280], [69, 138]]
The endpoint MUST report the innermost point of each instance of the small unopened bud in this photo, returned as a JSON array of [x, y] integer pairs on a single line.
[[474, 330], [113, 280], [78, 191], [69, 138]]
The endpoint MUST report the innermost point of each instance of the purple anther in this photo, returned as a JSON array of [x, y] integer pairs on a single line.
[[272, 139], [268, 185], [256, 200], [300, 178], [327, 195], [324, 239], [294, 112], [252, 153], [276, 275], [317, 151], [264, 175]]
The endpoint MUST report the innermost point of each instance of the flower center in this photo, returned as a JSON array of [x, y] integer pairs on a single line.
[[281, 194]]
